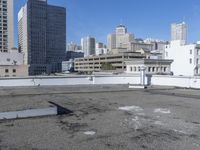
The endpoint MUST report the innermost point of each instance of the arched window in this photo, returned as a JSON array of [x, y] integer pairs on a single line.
[[165, 69], [131, 69], [149, 69], [153, 69]]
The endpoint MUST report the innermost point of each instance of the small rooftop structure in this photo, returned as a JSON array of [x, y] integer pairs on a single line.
[[153, 66]]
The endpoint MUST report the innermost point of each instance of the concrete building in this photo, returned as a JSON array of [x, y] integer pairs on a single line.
[[13, 70], [186, 58], [114, 61], [134, 46], [99, 45], [7, 25], [11, 64], [73, 47], [72, 55], [13, 57], [88, 45], [152, 66], [158, 48], [119, 39], [42, 36], [101, 49], [179, 32], [111, 41], [68, 66]]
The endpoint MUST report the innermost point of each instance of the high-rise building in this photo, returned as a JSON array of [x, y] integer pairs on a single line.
[[179, 32], [100, 49], [6, 22], [42, 36], [120, 39], [88, 46], [73, 47], [111, 41]]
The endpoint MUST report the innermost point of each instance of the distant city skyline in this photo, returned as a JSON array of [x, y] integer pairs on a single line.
[[143, 18]]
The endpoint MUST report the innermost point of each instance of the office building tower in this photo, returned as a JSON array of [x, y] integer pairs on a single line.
[[111, 41], [73, 47], [88, 46], [6, 23], [120, 39], [179, 32], [42, 36]]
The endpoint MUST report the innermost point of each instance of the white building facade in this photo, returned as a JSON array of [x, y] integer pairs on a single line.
[[88, 46], [186, 58], [151, 66], [179, 32], [23, 33]]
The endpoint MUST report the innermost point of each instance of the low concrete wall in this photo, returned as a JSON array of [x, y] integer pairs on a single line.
[[188, 82], [179, 81], [71, 80]]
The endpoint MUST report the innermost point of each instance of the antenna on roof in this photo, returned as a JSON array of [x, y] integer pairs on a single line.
[[184, 19], [121, 21]]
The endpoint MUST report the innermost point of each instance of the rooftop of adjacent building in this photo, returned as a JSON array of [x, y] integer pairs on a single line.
[[103, 117]]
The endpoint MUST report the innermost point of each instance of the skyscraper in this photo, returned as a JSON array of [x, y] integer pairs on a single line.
[[42, 36], [88, 46], [179, 32], [6, 23], [120, 39]]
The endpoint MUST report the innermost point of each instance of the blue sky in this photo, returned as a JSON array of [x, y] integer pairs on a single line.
[[144, 18]]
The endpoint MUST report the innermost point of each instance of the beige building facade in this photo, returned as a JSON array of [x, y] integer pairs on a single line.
[[95, 63], [6, 25], [13, 70], [120, 39]]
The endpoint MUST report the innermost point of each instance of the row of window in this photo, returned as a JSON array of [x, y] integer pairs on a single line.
[[150, 69], [198, 52], [197, 61], [13, 71]]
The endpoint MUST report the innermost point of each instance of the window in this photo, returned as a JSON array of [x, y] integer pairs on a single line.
[[197, 61], [190, 60], [165, 69], [14, 70], [166, 54], [131, 69], [135, 69], [149, 69], [6, 71], [190, 51], [197, 70], [198, 52], [153, 69]]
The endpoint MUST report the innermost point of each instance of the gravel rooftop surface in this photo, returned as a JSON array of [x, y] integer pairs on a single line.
[[110, 117]]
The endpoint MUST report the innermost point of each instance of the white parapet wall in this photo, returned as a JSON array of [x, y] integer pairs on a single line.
[[178, 81], [72, 80], [161, 80]]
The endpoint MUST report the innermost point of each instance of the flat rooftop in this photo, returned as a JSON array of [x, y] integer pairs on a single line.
[[108, 117]]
